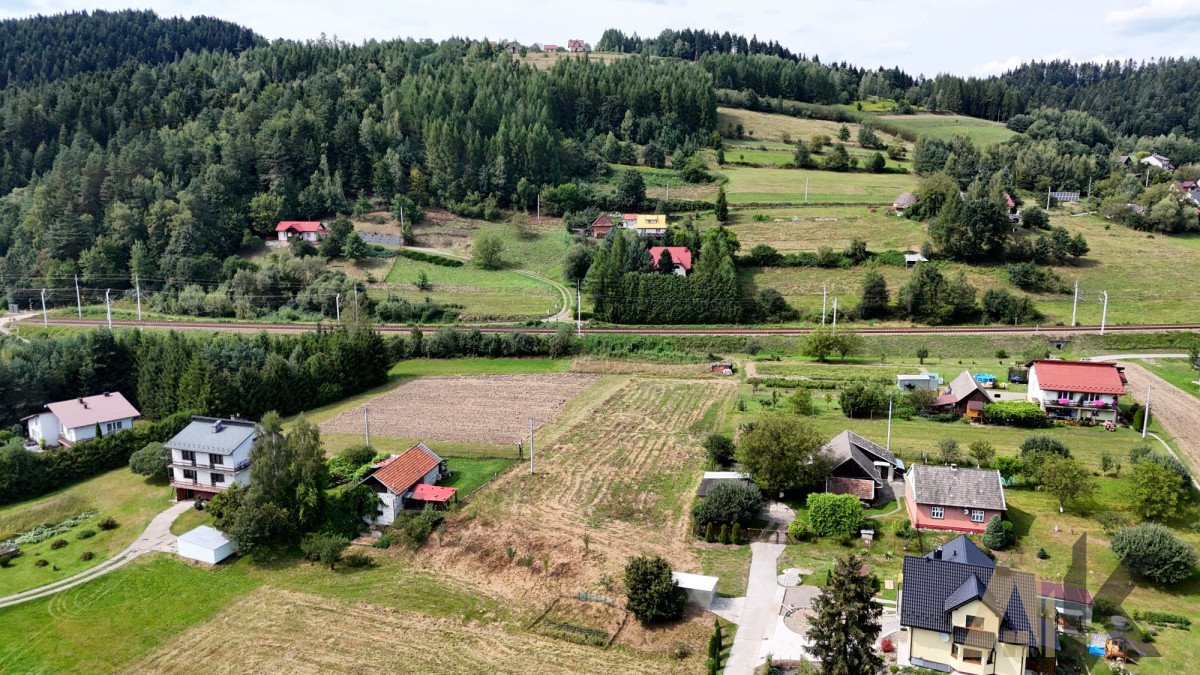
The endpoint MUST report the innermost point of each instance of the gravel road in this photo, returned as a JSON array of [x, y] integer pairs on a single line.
[[1177, 411]]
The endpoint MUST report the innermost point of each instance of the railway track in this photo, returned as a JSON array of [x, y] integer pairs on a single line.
[[702, 331]]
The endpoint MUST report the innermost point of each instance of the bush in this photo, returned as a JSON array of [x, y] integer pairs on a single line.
[[152, 460], [325, 547], [1163, 618], [800, 530], [86, 556], [859, 399], [904, 530], [653, 594], [58, 543], [1042, 554], [487, 251], [1154, 552], [720, 449], [85, 534], [416, 527], [40, 562], [358, 559], [834, 515], [1015, 414], [728, 504], [429, 258], [107, 523], [999, 534], [384, 541], [1036, 448]]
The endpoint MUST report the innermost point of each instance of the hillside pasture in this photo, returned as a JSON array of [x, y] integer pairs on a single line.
[[432, 407], [772, 127], [945, 127], [809, 228], [778, 186], [770, 153]]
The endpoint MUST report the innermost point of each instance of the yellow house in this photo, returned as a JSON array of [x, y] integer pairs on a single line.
[[966, 616], [647, 225]]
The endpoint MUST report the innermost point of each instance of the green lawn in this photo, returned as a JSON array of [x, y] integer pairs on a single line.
[[128, 498], [189, 520], [754, 185], [731, 565], [478, 366], [483, 294], [777, 154], [469, 473], [760, 126], [945, 127]]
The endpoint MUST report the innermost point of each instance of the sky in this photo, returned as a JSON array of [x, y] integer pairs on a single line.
[[964, 37]]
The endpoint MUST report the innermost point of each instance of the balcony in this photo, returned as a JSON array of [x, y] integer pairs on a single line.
[[197, 485], [224, 468]]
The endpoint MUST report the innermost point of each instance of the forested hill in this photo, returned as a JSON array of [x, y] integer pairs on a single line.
[[161, 171], [1149, 99], [47, 48]]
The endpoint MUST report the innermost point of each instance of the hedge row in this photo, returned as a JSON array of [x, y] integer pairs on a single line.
[[1015, 414], [429, 258]]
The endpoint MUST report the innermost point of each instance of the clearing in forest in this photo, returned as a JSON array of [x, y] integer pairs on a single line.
[[484, 408]]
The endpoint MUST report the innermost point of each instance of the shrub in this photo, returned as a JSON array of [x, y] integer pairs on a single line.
[[729, 503], [999, 534], [85, 534], [1154, 552], [800, 530], [708, 533], [358, 559], [107, 523], [904, 530], [1163, 618], [324, 547], [886, 646], [720, 449], [735, 534], [416, 527], [1036, 448], [653, 594], [429, 258], [40, 562], [86, 556], [152, 460], [384, 541], [724, 536], [1112, 521], [834, 515], [1015, 414], [1042, 554], [1103, 607], [58, 543], [860, 399]]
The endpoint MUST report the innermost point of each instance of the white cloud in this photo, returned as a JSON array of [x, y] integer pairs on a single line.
[[1002, 66], [1155, 16]]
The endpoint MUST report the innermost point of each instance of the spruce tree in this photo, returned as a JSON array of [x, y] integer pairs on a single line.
[[722, 208], [845, 621]]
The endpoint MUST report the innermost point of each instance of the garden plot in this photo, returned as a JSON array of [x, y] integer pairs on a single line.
[[500, 407], [299, 633]]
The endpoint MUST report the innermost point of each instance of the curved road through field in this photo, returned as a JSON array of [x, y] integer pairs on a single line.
[[1176, 410]]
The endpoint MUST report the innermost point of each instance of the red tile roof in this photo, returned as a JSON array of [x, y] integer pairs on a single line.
[[859, 487], [1050, 589], [1079, 376], [680, 255], [91, 410], [300, 225], [433, 493], [1009, 200], [401, 473]]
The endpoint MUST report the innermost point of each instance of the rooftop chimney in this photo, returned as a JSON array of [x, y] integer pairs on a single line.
[[217, 426], [107, 394], [937, 554]]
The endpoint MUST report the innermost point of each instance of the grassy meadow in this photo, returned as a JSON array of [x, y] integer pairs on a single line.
[[945, 127]]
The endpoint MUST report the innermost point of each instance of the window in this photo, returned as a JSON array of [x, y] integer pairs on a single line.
[[110, 427], [937, 512], [189, 474], [974, 621], [1089, 398], [972, 655], [188, 455], [216, 460], [977, 516], [218, 478]]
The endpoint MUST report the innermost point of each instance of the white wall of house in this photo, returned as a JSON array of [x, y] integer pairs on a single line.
[[680, 270], [1051, 397], [89, 431], [391, 503], [44, 427]]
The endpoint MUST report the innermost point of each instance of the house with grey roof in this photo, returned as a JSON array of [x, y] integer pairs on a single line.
[[209, 455], [965, 614], [953, 498], [861, 468], [961, 549]]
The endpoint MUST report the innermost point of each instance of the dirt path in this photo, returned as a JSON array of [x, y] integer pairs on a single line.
[[1176, 410]]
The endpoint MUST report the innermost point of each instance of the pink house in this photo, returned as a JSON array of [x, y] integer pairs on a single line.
[[953, 498]]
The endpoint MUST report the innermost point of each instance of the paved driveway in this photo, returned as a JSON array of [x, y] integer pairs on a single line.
[[760, 611]]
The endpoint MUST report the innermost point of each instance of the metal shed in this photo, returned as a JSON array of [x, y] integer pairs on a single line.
[[205, 544], [701, 590]]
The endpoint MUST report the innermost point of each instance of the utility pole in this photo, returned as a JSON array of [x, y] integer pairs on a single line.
[[1146, 415], [44, 321], [835, 313], [1047, 198], [337, 304], [806, 190], [889, 432], [405, 243], [355, 304], [531, 446], [137, 287], [668, 199], [1104, 313], [824, 300], [367, 423], [108, 306], [539, 208], [78, 303], [1075, 303], [1089, 194], [578, 310]]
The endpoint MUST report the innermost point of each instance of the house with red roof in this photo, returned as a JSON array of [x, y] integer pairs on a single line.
[[1076, 390], [576, 46], [681, 258], [66, 423], [310, 230], [409, 480], [603, 224]]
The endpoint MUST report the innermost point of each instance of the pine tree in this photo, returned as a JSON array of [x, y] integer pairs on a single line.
[[708, 533], [722, 208], [845, 621]]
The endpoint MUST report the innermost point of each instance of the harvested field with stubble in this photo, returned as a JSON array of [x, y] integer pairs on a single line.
[[623, 476], [301, 633], [432, 407]]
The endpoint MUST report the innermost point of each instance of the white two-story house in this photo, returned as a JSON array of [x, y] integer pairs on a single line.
[[66, 423], [209, 455], [1076, 390]]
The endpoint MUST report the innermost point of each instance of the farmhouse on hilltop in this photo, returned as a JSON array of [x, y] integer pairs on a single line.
[[575, 46], [308, 230], [953, 498], [861, 468], [209, 455], [1076, 390], [966, 615], [407, 480], [68, 422]]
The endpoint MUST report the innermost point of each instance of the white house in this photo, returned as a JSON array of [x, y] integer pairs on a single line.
[[927, 381], [408, 480], [209, 455], [1157, 160], [309, 230], [75, 420], [205, 544], [1076, 390]]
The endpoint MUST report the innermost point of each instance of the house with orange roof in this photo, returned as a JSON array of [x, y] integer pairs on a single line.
[[1076, 390], [409, 480], [309, 230]]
